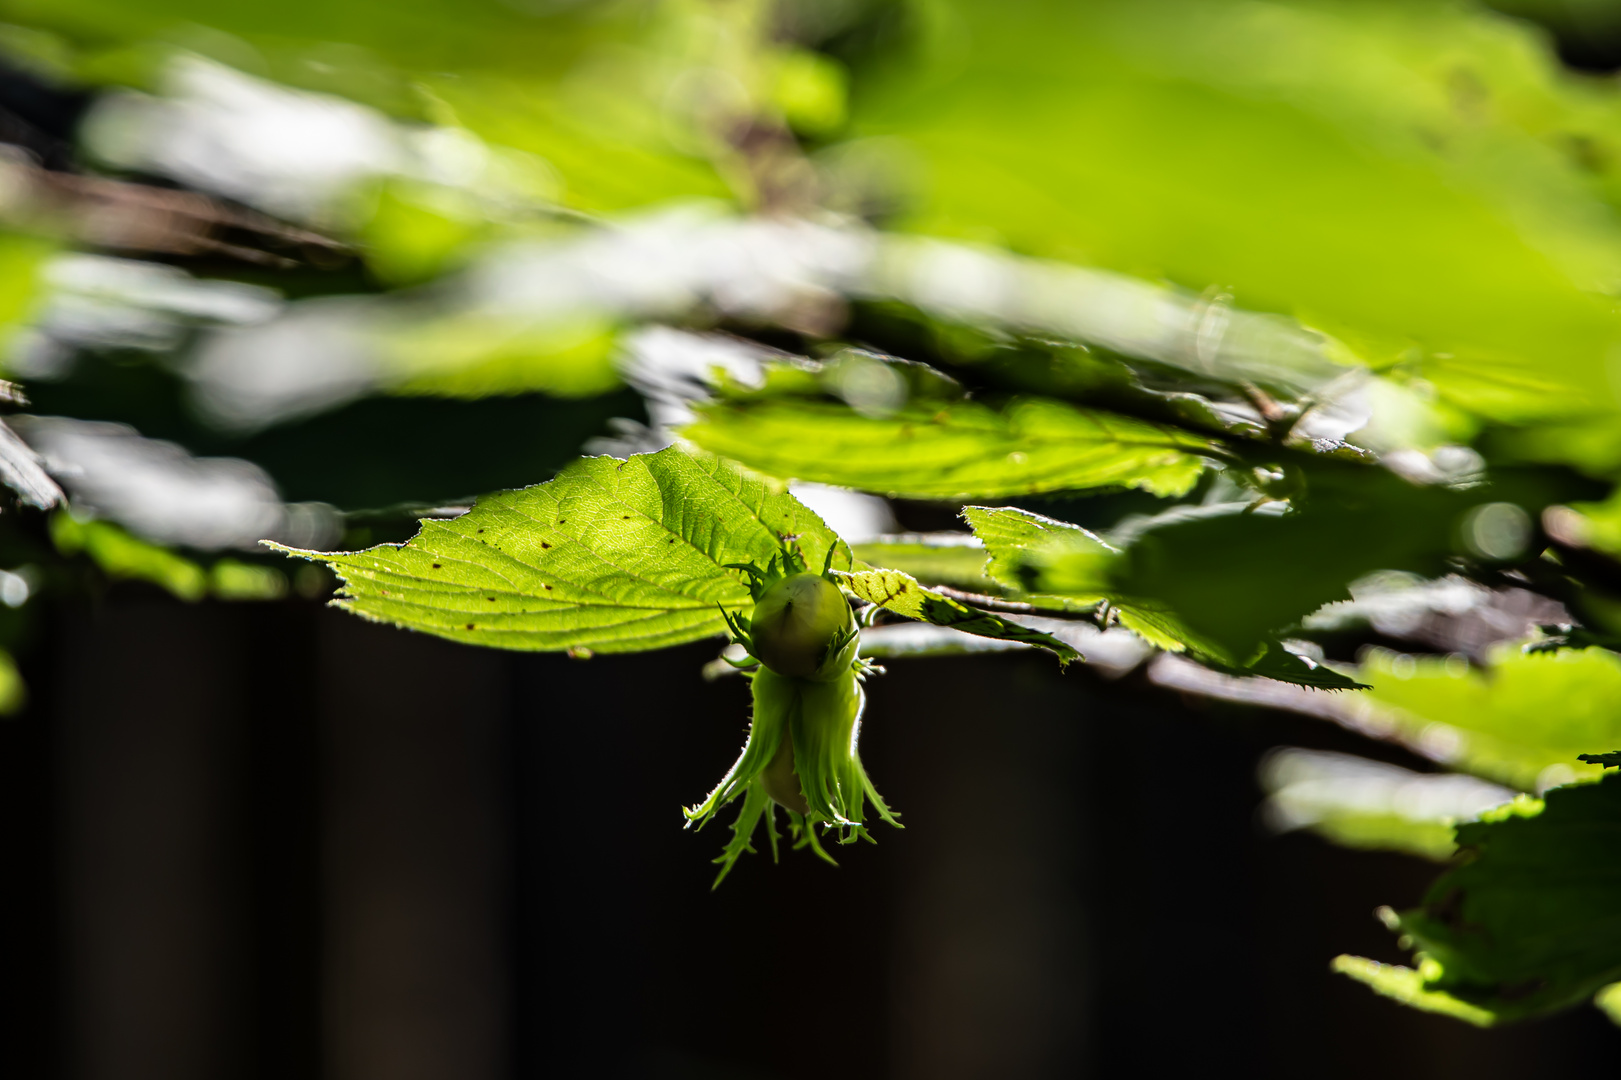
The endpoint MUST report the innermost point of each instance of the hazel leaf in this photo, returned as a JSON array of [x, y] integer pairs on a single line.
[[1527, 923], [954, 450], [954, 559], [1023, 545], [901, 593], [610, 556], [1009, 534]]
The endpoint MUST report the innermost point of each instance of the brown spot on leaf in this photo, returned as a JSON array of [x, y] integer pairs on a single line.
[[436, 566], [469, 626], [545, 586]]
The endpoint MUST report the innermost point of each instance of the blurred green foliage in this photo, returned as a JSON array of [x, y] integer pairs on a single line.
[[124, 556], [1417, 179], [1527, 924], [1522, 721]]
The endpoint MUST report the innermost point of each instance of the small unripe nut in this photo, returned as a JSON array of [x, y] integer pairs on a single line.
[[795, 620], [780, 778]]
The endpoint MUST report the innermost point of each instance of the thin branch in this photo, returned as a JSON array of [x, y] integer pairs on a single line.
[[1010, 607]]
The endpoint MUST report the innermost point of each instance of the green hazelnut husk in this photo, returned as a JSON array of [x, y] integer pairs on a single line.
[[796, 622]]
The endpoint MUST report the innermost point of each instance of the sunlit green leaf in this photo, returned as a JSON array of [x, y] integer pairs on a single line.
[[1237, 574], [1068, 569], [1410, 988], [895, 591], [1076, 566], [1279, 663], [610, 556], [939, 559], [1528, 923], [1523, 721], [1009, 533], [955, 451]]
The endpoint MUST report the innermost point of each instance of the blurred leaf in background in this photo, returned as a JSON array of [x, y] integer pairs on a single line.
[[1526, 924]]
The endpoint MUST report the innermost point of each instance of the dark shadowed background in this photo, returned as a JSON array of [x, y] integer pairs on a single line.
[[273, 840]]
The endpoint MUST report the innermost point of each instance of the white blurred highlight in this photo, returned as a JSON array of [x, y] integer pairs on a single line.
[[159, 491], [1136, 318], [667, 262], [691, 259], [318, 355], [98, 301], [1451, 614], [1311, 786], [672, 369], [292, 153], [16, 587], [855, 516], [299, 155]]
